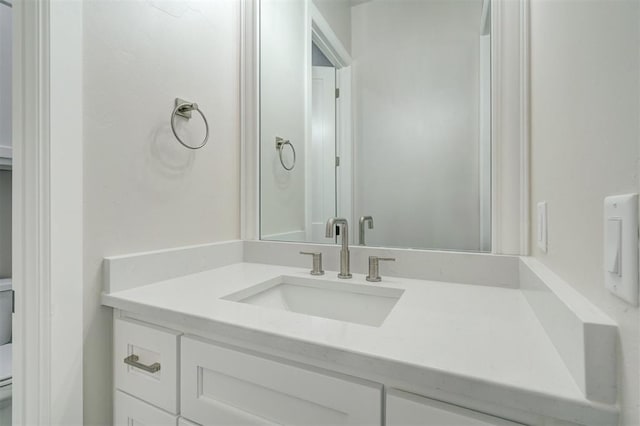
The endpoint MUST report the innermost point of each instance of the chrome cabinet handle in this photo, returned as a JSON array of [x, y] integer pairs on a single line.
[[132, 360]]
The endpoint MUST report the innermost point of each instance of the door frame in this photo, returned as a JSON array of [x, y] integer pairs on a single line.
[[320, 33], [327, 156], [47, 213]]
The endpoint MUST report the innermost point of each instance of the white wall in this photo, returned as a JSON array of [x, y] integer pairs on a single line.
[[284, 64], [585, 93], [142, 190], [338, 15], [416, 95]]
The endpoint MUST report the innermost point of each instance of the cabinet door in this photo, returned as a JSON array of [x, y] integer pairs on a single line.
[[130, 411], [224, 386], [404, 409]]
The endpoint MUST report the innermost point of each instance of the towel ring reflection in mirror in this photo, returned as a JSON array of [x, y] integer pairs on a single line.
[[280, 144], [184, 109]]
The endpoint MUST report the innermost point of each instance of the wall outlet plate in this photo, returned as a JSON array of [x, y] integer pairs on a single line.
[[541, 226], [620, 261]]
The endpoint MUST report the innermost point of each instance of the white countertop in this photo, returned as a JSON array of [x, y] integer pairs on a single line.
[[470, 334]]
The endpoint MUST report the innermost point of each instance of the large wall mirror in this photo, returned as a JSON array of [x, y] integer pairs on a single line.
[[377, 111]]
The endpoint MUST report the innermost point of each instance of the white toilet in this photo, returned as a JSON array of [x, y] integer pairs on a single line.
[[6, 303]]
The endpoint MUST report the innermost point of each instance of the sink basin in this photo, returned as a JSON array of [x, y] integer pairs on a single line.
[[357, 303]]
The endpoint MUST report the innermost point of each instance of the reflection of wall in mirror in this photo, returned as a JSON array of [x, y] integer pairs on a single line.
[[416, 93], [283, 69]]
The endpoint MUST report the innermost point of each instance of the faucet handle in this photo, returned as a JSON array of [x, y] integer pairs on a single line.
[[374, 267], [317, 262]]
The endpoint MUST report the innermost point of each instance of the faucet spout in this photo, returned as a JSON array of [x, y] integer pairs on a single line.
[[363, 220], [344, 251]]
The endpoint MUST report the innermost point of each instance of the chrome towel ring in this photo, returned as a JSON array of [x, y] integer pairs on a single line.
[[280, 144], [183, 109]]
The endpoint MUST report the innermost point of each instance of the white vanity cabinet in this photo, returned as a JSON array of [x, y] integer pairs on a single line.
[[211, 384], [200, 382], [132, 411], [405, 409], [235, 387]]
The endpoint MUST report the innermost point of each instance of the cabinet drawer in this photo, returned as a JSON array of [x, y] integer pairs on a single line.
[[131, 411], [150, 345], [404, 409], [223, 386]]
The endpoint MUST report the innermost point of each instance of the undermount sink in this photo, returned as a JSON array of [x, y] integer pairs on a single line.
[[357, 303]]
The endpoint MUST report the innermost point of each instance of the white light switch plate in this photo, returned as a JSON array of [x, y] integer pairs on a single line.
[[541, 226], [621, 246]]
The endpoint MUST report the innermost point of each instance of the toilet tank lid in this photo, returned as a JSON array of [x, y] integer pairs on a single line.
[[5, 284]]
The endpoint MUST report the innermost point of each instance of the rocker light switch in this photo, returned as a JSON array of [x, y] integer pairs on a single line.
[[613, 245], [621, 246]]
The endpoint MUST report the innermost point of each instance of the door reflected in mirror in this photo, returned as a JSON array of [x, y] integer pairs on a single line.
[[378, 111]]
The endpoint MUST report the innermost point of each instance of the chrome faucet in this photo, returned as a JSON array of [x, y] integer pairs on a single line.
[[344, 252], [363, 220], [374, 268]]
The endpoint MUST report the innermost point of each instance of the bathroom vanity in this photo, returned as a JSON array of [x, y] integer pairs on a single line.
[[232, 337]]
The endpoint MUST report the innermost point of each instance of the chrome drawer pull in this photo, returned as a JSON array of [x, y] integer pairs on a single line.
[[132, 360]]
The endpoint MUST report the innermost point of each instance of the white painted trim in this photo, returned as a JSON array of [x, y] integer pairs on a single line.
[[66, 211], [525, 149], [308, 106], [250, 119], [344, 139], [47, 213], [509, 129], [484, 143], [496, 66], [326, 40], [31, 345]]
